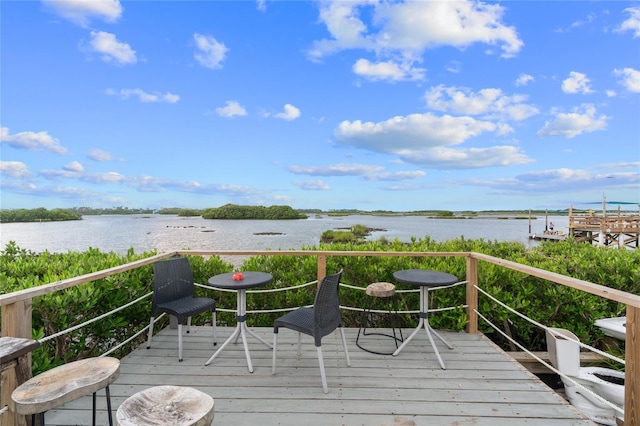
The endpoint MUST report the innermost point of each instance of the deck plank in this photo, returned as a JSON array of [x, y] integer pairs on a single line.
[[481, 385]]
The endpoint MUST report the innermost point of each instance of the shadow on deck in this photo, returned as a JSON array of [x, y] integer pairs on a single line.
[[481, 385]]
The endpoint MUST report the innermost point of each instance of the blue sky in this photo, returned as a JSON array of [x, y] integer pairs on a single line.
[[415, 105]]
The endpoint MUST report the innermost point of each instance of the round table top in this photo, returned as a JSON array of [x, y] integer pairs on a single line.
[[251, 279], [424, 277], [166, 406]]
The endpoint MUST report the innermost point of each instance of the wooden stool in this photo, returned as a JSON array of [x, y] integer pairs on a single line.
[[166, 406], [15, 369], [381, 290], [66, 383]]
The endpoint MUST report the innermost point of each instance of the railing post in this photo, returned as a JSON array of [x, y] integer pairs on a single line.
[[322, 267], [632, 367], [16, 322], [472, 294]]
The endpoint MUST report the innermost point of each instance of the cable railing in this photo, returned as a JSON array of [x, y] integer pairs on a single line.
[[16, 306], [549, 366]]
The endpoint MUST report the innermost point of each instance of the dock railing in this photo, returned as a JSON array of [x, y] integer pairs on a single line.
[[17, 307]]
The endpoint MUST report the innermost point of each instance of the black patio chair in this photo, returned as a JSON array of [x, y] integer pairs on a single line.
[[317, 321], [173, 293]]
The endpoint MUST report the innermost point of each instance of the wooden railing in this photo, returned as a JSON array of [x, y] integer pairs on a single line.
[[17, 322]]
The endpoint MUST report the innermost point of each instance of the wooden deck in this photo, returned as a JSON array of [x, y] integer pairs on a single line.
[[481, 385]]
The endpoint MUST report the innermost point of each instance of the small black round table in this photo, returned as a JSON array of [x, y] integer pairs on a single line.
[[249, 280], [425, 279]]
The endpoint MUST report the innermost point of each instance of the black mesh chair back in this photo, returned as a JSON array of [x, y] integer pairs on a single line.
[[174, 294], [172, 280], [320, 320], [326, 308]]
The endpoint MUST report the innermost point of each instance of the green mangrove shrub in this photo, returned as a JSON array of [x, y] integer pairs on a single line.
[[543, 301]]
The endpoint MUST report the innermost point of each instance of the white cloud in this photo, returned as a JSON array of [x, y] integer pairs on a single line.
[[56, 174], [454, 67], [14, 169], [74, 166], [562, 180], [107, 177], [466, 158], [576, 24], [335, 170], [423, 139], [632, 23], [231, 109], [387, 70], [111, 49], [210, 52], [395, 176], [312, 185], [79, 174], [486, 102], [524, 79], [81, 12], [630, 78], [577, 82], [143, 96], [32, 141], [407, 29], [611, 93], [414, 131], [581, 120], [100, 155], [290, 113]]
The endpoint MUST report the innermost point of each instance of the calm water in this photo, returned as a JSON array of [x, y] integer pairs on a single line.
[[165, 233]]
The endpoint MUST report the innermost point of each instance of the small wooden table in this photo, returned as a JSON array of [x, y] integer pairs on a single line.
[[425, 279], [66, 383], [249, 280], [166, 406]]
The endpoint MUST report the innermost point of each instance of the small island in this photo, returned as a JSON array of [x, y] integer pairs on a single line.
[[38, 215], [234, 211]]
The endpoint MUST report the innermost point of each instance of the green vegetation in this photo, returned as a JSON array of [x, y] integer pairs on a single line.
[[90, 211], [75, 213], [182, 212], [548, 303], [38, 215], [234, 211], [355, 234]]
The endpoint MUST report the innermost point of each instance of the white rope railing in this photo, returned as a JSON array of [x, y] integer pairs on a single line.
[[115, 348], [259, 311], [377, 311], [551, 367], [4, 409], [75, 327], [544, 327]]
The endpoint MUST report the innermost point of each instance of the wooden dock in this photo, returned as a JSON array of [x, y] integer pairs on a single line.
[[617, 230], [482, 385]]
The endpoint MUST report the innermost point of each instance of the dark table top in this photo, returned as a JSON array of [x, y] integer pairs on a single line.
[[251, 279], [425, 278]]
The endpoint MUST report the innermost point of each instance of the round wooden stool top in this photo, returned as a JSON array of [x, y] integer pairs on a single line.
[[166, 405], [64, 383], [381, 289]]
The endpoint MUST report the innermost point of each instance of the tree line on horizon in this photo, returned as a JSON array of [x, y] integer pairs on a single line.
[[235, 211]]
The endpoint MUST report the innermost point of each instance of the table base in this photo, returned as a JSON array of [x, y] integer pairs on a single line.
[[424, 323], [241, 330]]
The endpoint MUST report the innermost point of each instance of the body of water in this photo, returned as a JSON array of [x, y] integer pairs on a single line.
[[167, 232]]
